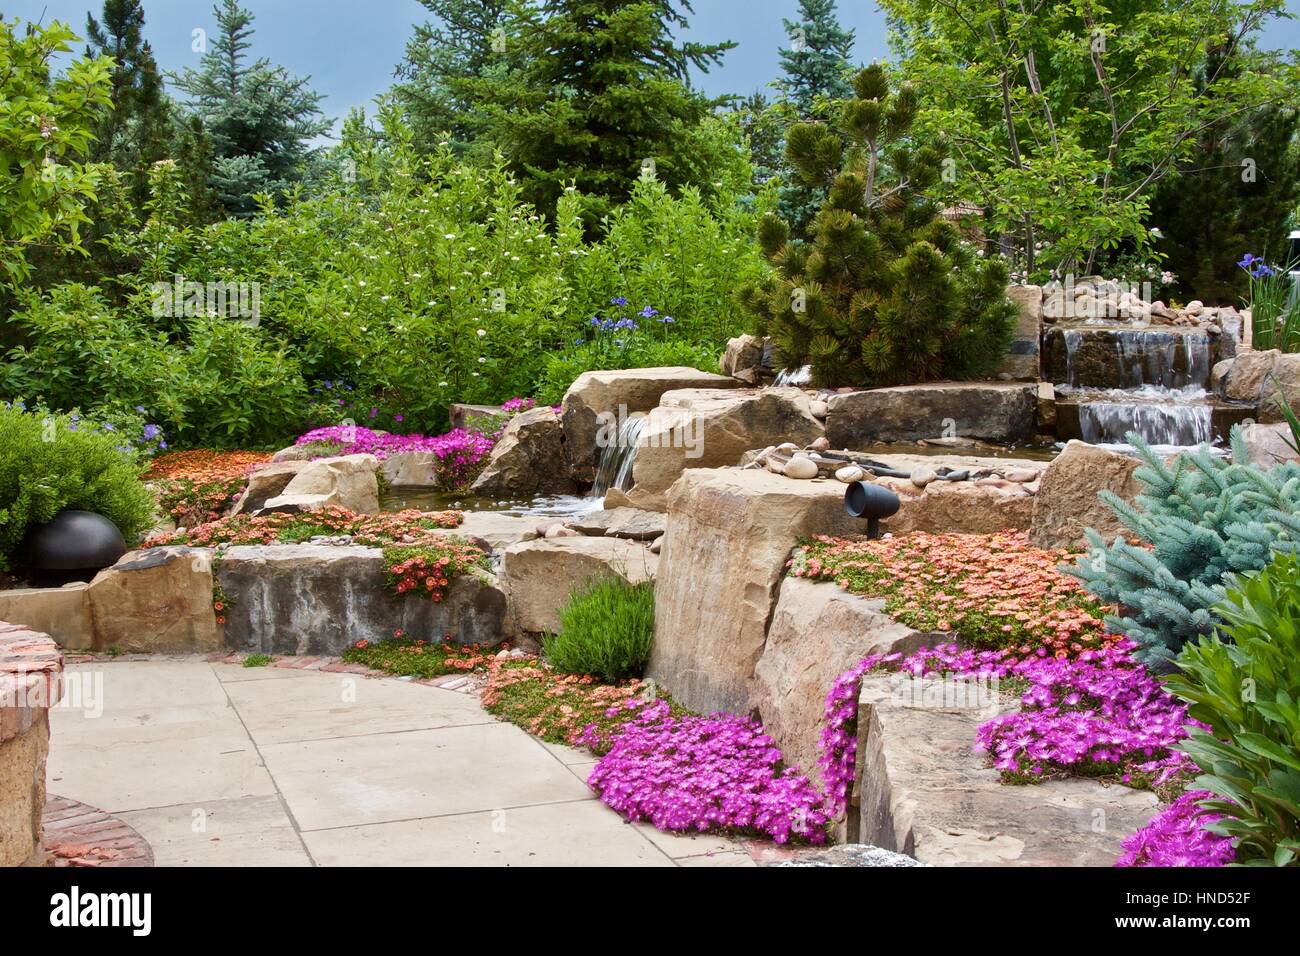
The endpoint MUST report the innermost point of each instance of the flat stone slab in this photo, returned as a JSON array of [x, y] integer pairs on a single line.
[[1000, 412], [924, 791], [497, 531], [320, 599], [631, 523]]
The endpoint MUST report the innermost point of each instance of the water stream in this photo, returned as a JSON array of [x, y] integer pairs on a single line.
[[617, 458]]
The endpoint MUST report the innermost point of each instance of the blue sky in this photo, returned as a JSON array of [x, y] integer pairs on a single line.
[[350, 47]]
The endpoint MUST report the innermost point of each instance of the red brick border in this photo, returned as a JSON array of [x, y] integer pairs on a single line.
[[80, 835]]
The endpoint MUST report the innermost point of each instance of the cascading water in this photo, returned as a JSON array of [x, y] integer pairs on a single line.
[[1161, 416], [617, 458], [797, 376]]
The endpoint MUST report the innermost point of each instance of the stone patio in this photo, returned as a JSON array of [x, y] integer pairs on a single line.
[[217, 764]]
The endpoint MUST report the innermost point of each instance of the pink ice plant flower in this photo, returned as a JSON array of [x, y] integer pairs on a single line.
[[459, 452], [698, 774], [1177, 836]]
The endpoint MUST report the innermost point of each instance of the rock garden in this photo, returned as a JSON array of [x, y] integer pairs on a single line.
[[839, 531]]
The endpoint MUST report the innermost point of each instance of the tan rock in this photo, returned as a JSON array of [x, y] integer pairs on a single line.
[[1266, 446], [925, 792], [729, 535], [708, 428], [410, 469], [802, 468], [818, 631], [744, 354], [266, 482], [63, 613], [849, 474], [620, 393], [1245, 379], [1281, 386], [1067, 501], [995, 411], [539, 577], [349, 481], [157, 601], [528, 460]]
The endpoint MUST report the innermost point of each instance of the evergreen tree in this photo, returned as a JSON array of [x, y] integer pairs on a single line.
[[1215, 208], [1203, 519], [886, 292], [258, 117], [468, 41], [816, 68], [597, 94], [134, 133]]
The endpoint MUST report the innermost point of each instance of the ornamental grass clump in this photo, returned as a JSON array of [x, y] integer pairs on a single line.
[[606, 629]]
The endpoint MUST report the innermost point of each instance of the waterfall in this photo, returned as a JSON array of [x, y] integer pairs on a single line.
[[617, 458], [1132, 358], [1162, 416], [799, 376]]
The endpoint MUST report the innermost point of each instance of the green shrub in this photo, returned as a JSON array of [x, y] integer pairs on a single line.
[[637, 351], [1245, 685], [52, 463], [606, 630], [886, 292], [1203, 518]]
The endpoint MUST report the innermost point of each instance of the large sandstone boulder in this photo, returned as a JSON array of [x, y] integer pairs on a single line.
[[994, 411], [540, 576], [923, 791], [707, 428], [1266, 446], [157, 601], [1244, 379], [1067, 501], [595, 396], [743, 359], [1281, 386], [320, 599], [495, 531], [730, 533], [528, 460], [966, 507], [63, 613], [266, 482], [348, 481], [31, 669], [818, 631]]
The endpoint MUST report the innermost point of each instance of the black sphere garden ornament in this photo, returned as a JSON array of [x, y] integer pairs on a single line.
[[75, 541], [864, 499]]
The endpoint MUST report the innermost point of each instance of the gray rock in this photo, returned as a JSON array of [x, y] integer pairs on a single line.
[[848, 854], [993, 411], [529, 459]]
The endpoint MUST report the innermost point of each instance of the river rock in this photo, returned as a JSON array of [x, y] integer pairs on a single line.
[[923, 476], [1067, 501], [603, 398], [803, 468], [849, 474], [529, 459], [819, 409], [994, 411]]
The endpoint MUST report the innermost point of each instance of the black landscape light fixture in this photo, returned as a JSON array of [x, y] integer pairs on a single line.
[[74, 546], [863, 499]]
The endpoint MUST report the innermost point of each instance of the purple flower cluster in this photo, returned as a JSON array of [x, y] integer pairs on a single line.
[[1098, 711], [1256, 266], [1176, 836], [459, 452], [705, 774], [513, 406]]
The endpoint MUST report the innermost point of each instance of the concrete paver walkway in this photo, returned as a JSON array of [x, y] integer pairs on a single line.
[[216, 764]]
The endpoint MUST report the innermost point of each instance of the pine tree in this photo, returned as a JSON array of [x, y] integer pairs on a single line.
[[468, 41], [133, 134], [816, 75], [259, 118], [1204, 519], [886, 292], [597, 94]]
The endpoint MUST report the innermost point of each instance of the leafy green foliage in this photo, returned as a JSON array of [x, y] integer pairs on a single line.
[[639, 350], [46, 127], [1062, 119], [1244, 683], [606, 629], [53, 463], [591, 91], [887, 292], [405, 656], [1202, 519]]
